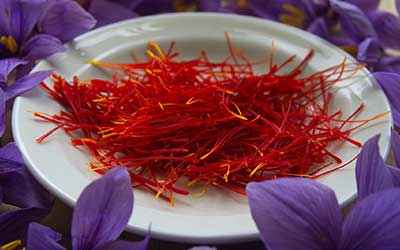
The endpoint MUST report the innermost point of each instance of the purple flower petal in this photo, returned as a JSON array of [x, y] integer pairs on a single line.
[[20, 188], [279, 9], [26, 83], [11, 152], [203, 248], [366, 5], [14, 224], [353, 20], [387, 27], [390, 84], [371, 171], [319, 27], [66, 19], [389, 64], [373, 223], [40, 237], [8, 65], [295, 214], [210, 5], [107, 12], [24, 16], [5, 10], [41, 46], [370, 52], [103, 210], [2, 112], [398, 6], [395, 142], [125, 245]]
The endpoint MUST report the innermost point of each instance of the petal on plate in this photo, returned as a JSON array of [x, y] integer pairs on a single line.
[[294, 213], [11, 152], [66, 19], [40, 237], [106, 12], [390, 84], [41, 46], [8, 65], [353, 20], [24, 16], [26, 83], [370, 51], [372, 174], [366, 5], [373, 223], [14, 224], [387, 27], [102, 210], [125, 245]]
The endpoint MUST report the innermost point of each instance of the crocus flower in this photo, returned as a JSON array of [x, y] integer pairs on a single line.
[[390, 84], [236, 6], [322, 17], [100, 215], [18, 188], [36, 29], [9, 91]]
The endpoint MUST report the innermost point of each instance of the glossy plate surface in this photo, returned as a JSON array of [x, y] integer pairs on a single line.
[[218, 216]]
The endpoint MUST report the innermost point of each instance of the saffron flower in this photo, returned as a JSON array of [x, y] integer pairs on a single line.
[[35, 29], [294, 213], [100, 215], [19, 189], [9, 91]]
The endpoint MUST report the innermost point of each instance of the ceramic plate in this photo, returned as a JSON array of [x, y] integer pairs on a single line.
[[218, 216]]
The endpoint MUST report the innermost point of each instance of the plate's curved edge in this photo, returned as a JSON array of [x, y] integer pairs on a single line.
[[166, 235]]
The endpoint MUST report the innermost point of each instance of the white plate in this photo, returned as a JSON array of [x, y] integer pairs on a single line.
[[218, 216]]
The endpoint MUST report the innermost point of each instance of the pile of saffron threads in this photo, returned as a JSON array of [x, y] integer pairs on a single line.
[[180, 123]]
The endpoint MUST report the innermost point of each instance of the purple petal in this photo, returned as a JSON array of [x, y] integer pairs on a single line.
[[203, 248], [395, 142], [11, 152], [353, 20], [24, 16], [370, 52], [154, 7], [20, 188], [319, 27], [41, 46], [275, 9], [390, 84], [210, 5], [374, 223], [66, 19], [103, 210], [387, 27], [107, 12], [8, 65], [41, 237], [125, 245], [398, 6], [26, 83], [366, 5], [371, 171], [389, 64], [2, 112], [14, 224], [295, 214], [5, 10]]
